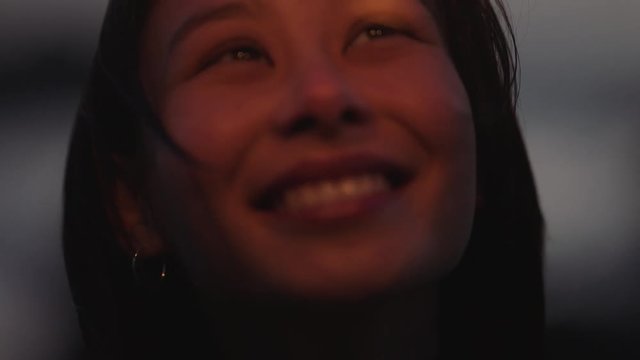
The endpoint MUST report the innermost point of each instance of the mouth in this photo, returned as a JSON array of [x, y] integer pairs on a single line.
[[332, 186]]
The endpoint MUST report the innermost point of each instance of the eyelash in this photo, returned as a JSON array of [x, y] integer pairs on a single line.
[[249, 52]]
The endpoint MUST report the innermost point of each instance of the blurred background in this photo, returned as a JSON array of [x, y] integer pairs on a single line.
[[580, 114]]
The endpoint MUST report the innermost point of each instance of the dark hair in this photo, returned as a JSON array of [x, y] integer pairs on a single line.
[[492, 304]]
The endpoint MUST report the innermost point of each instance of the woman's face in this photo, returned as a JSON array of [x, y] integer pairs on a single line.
[[333, 144]]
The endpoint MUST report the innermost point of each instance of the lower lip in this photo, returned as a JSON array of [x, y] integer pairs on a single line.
[[340, 211]]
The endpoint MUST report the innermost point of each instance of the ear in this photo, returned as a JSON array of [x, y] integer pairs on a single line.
[[138, 234]]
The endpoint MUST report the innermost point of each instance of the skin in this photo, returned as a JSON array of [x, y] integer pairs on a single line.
[[233, 113]]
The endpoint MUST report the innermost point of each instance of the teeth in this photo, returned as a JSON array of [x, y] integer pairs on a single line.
[[327, 192]]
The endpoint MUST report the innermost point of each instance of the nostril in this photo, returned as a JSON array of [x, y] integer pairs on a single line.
[[301, 124], [323, 123], [351, 116]]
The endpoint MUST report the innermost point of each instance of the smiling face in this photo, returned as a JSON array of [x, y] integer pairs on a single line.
[[333, 144]]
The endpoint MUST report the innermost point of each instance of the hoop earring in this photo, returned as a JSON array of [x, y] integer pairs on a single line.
[[135, 267]]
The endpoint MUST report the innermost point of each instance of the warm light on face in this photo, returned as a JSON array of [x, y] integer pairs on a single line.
[[334, 141]]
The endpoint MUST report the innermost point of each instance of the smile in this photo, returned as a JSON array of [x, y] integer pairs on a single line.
[[327, 193], [333, 189]]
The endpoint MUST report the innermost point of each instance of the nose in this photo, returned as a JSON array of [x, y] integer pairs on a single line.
[[321, 100]]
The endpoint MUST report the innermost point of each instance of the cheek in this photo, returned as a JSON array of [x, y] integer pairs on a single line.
[[211, 127], [196, 125], [429, 100], [431, 104], [434, 108]]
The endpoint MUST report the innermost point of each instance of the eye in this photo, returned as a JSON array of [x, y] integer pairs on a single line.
[[245, 53], [236, 54], [375, 32]]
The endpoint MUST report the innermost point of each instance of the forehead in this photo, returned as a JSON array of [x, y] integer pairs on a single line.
[[168, 19], [179, 7], [166, 16]]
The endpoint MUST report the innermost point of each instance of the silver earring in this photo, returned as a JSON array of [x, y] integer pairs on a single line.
[[135, 267]]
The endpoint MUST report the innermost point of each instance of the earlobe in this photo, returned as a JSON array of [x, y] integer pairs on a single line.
[[138, 234]]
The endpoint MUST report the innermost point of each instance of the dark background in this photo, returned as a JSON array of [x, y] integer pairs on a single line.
[[580, 114]]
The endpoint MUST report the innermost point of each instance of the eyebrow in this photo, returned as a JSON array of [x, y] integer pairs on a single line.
[[216, 13]]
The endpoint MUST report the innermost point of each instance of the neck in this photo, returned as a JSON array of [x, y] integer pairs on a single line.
[[399, 325]]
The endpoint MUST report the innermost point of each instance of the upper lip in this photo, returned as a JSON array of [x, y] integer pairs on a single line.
[[319, 169]]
